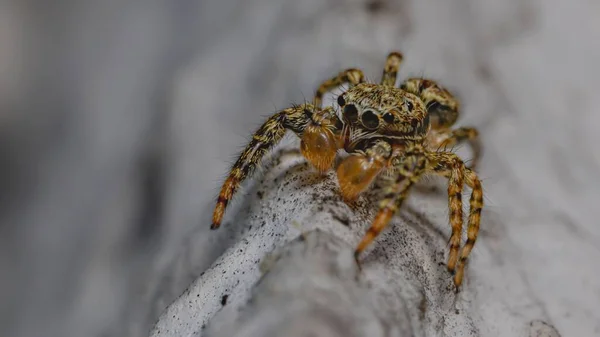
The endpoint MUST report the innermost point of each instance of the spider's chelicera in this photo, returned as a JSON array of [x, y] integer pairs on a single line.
[[384, 129]]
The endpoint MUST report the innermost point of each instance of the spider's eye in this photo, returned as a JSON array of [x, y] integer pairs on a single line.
[[437, 107], [388, 117], [350, 112], [369, 119], [341, 101], [409, 105]]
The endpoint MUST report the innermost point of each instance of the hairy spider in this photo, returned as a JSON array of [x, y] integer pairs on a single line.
[[384, 129]]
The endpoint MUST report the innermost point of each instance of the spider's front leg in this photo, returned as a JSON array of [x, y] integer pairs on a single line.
[[317, 129], [356, 172], [408, 168], [449, 165]]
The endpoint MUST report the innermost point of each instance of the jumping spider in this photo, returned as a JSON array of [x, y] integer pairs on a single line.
[[385, 130]]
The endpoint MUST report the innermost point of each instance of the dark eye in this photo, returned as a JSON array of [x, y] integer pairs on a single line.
[[388, 117], [369, 119], [350, 112], [437, 107], [409, 105], [341, 101]]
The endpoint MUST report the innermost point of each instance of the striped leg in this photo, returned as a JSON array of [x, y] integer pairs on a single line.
[[449, 137], [390, 71], [452, 167], [353, 76], [475, 204], [409, 169], [319, 145]]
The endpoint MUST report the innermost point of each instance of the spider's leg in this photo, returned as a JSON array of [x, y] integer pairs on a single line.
[[475, 204], [409, 169], [448, 137], [391, 69], [356, 172], [452, 167], [442, 106], [353, 76], [319, 145]]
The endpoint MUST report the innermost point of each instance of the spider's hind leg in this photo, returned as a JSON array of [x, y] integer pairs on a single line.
[[390, 71], [319, 144]]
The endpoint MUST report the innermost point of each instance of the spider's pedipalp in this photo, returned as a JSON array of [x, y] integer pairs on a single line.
[[390, 71], [448, 137], [352, 76], [356, 172], [409, 167], [442, 106], [320, 140], [318, 146]]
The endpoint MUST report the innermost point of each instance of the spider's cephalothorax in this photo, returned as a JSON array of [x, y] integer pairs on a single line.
[[399, 131], [372, 111]]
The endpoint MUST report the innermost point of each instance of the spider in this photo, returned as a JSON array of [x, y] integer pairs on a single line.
[[396, 133]]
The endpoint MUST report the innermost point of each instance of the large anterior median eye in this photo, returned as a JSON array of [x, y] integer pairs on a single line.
[[350, 112], [369, 119]]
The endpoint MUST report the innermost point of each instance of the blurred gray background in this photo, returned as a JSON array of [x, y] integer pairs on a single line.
[[119, 119]]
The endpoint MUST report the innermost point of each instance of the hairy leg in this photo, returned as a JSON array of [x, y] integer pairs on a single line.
[[451, 166], [476, 205], [319, 145], [448, 137], [409, 169], [353, 76], [390, 71]]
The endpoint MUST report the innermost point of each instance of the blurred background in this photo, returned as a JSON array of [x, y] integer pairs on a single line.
[[119, 120]]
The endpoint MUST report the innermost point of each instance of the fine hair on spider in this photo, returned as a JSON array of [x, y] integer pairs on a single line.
[[398, 131]]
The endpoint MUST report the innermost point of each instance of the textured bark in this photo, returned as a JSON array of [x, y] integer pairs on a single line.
[[310, 288], [291, 271]]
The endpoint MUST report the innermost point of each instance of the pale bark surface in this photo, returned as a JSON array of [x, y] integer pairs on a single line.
[[288, 289]]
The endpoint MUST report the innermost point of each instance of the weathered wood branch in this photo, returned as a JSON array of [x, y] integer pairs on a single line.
[[312, 288], [292, 272], [403, 287]]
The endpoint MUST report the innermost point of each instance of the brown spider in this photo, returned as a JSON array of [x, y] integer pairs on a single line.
[[396, 131]]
